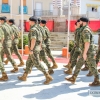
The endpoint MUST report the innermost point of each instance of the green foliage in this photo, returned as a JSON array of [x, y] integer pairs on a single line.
[[25, 42], [71, 45]]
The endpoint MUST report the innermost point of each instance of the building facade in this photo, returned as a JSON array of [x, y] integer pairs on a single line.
[[12, 8], [91, 8]]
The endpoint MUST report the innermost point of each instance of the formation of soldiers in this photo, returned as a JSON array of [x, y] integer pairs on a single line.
[[39, 46], [82, 53]]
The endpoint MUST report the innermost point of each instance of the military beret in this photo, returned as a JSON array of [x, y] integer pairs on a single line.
[[84, 19], [43, 21], [3, 18], [33, 19], [11, 21]]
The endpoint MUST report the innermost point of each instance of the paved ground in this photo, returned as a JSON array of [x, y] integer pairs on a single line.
[[33, 88]]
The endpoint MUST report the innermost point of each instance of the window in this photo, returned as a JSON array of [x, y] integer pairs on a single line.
[[38, 6], [51, 7], [38, 9], [4, 1], [92, 7], [5, 8]]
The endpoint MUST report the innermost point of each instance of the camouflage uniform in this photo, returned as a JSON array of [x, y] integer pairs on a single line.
[[15, 44], [42, 54], [47, 42], [97, 57], [7, 43], [1, 63], [75, 52], [4, 75], [33, 59], [86, 36]]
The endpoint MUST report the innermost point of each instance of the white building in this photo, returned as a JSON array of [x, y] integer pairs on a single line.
[[89, 7]]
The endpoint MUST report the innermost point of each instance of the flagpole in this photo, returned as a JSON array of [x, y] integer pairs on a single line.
[[11, 9], [22, 24], [68, 28]]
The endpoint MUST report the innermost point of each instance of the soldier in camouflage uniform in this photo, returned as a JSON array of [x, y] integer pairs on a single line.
[[42, 52], [87, 54], [4, 75], [97, 58], [47, 42], [15, 42], [75, 51], [7, 43], [35, 40], [77, 27], [98, 52]]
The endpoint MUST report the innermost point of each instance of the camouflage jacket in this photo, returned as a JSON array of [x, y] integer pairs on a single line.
[[15, 31], [16, 34], [7, 34], [36, 34], [86, 36], [43, 35], [1, 36], [77, 37], [47, 40]]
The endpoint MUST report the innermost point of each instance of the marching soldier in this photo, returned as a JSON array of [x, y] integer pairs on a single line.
[[15, 42], [4, 75], [77, 26], [87, 54], [35, 40], [97, 55], [75, 51], [42, 52], [7, 43], [47, 43]]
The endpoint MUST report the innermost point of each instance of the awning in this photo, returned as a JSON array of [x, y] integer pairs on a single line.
[[93, 5]]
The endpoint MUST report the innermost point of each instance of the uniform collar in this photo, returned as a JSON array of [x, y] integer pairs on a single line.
[[33, 25]]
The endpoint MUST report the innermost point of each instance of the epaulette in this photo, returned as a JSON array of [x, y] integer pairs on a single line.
[[87, 29]]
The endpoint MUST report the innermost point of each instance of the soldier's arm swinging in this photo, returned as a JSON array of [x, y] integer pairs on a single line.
[[86, 47], [33, 41]]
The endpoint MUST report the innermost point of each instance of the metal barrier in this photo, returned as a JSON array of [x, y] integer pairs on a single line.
[[43, 13]]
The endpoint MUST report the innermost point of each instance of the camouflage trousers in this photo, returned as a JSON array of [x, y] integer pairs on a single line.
[[91, 64], [34, 60], [75, 53], [97, 57], [7, 50], [14, 49], [1, 63], [43, 57], [71, 53], [48, 52]]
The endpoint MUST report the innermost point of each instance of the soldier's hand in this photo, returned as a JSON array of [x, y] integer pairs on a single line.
[[84, 57]]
